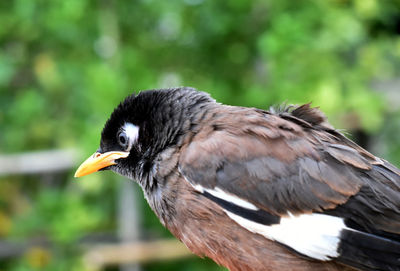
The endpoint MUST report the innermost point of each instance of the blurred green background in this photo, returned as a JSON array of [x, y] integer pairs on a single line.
[[65, 64]]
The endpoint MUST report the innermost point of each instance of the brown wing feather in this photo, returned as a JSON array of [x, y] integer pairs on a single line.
[[293, 162]]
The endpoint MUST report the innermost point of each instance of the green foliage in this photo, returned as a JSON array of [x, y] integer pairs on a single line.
[[64, 65], [66, 215]]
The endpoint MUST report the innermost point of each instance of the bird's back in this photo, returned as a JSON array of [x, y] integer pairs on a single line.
[[266, 173]]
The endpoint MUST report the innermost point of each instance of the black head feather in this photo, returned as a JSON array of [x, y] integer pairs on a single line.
[[163, 117]]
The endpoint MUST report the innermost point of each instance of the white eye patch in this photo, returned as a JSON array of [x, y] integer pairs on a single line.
[[132, 132]]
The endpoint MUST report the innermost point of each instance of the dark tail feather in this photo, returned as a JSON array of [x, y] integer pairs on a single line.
[[368, 252]]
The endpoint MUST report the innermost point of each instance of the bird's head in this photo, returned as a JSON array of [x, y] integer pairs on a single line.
[[141, 127]]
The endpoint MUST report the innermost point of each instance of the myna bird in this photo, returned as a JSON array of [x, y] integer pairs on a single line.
[[255, 189]]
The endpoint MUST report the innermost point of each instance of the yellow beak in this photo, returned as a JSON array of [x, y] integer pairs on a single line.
[[98, 161]]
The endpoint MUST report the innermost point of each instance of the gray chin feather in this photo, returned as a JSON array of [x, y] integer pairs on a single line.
[[123, 172]]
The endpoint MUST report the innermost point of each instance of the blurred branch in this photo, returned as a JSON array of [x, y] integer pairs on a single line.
[[38, 162], [16, 248], [9, 249], [138, 252], [98, 254], [129, 217]]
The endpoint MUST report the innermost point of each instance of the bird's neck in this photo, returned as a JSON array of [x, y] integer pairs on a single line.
[[171, 138], [160, 179], [160, 184]]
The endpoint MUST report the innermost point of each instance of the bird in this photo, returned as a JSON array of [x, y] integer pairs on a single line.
[[254, 189]]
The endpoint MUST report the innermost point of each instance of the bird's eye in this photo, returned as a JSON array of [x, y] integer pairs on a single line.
[[128, 136], [123, 139]]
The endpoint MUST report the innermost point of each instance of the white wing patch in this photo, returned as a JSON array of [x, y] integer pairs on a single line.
[[219, 193], [314, 235]]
